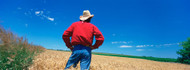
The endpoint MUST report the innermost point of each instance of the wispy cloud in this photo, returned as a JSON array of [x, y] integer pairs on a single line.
[[167, 45], [141, 46], [139, 49], [121, 42], [144, 45], [125, 46], [170, 44], [51, 19], [41, 14], [38, 12]]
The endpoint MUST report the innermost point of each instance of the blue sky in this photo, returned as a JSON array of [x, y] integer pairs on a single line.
[[131, 27]]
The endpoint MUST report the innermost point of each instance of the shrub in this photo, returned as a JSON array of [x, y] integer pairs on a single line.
[[15, 52], [184, 52]]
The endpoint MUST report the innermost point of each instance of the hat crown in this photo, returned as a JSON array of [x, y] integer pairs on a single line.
[[86, 13]]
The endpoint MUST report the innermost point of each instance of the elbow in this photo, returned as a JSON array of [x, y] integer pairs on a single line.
[[62, 36], [102, 38]]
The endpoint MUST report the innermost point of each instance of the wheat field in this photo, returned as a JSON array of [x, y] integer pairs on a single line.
[[56, 60]]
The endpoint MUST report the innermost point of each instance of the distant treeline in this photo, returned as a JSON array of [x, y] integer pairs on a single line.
[[140, 57], [15, 52]]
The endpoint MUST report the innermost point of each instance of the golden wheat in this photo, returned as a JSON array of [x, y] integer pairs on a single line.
[[56, 60]]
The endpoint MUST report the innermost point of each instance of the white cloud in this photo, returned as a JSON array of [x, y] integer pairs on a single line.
[[169, 44], [139, 49], [140, 46], [38, 13], [121, 42], [125, 46], [144, 45], [51, 19]]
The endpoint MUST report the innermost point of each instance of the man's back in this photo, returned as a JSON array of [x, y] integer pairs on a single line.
[[82, 33]]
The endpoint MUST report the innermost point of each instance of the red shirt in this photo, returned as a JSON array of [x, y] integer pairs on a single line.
[[83, 33]]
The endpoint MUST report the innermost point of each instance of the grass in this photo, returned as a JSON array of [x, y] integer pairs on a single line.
[[15, 52], [139, 57], [130, 56]]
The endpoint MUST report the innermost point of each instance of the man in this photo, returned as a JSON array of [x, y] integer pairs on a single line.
[[82, 33]]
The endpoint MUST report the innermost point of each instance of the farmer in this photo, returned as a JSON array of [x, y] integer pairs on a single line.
[[82, 33]]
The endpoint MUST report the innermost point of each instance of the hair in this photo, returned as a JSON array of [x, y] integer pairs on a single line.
[[88, 20]]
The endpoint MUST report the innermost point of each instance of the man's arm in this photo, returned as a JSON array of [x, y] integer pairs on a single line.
[[66, 36], [99, 38]]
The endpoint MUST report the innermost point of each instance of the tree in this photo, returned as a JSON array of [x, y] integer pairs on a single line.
[[184, 52]]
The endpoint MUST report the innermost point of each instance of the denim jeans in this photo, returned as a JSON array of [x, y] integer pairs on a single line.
[[80, 53]]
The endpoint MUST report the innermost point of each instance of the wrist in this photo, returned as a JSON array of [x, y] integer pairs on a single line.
[[94, 46], [70, 47]]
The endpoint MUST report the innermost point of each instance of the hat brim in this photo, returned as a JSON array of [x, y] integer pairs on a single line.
[[85, 18]]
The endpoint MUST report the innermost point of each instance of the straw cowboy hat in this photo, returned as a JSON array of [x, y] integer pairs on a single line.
[[86, 15]]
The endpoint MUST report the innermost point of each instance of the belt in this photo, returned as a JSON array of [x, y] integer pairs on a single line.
[[85, 45]]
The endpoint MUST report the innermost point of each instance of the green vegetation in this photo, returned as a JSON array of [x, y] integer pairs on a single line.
[[15, 52], [140, 57], [185, 52]]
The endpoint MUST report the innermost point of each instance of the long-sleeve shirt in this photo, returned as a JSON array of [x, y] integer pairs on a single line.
[[82, 33]]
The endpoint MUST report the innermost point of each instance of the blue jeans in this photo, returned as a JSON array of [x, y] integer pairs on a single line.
[[80, 53]]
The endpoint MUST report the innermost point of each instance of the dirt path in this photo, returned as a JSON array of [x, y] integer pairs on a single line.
[[56, 60]]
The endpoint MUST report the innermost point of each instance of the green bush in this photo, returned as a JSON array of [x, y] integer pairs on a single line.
[[184, 52], [18, 58]]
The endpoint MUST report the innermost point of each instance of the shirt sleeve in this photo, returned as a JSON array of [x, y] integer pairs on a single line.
[[67, 34], [99, 37]]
